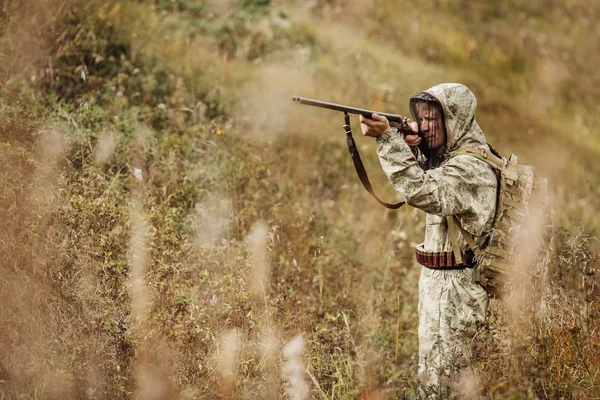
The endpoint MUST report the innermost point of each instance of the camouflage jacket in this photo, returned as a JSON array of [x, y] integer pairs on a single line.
[[462, 185]]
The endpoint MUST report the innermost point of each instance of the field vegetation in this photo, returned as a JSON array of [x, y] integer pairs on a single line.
[[174, 227]]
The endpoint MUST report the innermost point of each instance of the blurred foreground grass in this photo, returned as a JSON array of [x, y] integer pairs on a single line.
[[171, 221]]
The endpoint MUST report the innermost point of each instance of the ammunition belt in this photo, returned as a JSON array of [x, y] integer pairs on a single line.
[[443, 259]]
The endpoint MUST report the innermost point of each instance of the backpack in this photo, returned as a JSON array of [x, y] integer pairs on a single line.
[[511, 254]]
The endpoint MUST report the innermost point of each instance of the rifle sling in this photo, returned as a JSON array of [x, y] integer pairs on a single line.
[[360, 168]]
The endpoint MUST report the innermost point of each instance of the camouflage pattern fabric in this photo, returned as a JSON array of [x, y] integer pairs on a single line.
[[450, 304]]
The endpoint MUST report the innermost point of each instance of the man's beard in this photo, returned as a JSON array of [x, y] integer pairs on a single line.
[[434, 157]]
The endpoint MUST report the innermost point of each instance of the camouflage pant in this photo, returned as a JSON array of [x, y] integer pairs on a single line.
[[450, 309]]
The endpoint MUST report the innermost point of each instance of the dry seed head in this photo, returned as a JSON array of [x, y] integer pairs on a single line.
[[105, 147], [467, 385], [293, 370], [151, 383], [143, 137], [51, 147], [257, 241], [228, 352], [138, 251], [268, 351], [269, 344], [209, 221], [531, 265]]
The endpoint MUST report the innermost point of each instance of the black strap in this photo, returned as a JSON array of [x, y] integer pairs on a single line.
[[360, 169]]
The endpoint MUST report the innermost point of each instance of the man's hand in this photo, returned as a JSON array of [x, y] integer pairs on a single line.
[[413, 140], [379, 124], [374, 127]]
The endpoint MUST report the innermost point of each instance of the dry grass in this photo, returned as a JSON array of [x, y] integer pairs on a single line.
[[173, 227]]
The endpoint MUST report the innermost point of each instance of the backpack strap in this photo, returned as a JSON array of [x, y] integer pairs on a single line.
[[453, 223], [468, 237], [483, 155], [498, 164], [454, 238]]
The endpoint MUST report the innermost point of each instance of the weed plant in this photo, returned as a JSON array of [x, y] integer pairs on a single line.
[[173, 227]]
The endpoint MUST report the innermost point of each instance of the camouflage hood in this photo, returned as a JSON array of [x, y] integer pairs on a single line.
[[459, 105]]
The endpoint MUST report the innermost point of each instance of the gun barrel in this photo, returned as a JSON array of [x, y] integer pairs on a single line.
[[338, 107]]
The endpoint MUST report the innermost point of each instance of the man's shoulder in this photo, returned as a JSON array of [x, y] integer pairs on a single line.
[[469, 166], [462, 159]]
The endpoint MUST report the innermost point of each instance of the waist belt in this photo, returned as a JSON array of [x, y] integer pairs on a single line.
[[443, 259]]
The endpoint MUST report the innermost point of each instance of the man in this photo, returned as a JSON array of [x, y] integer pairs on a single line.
[[451, 304]]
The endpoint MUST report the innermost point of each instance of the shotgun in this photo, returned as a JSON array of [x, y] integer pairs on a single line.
[[401, 122], [396, 121]]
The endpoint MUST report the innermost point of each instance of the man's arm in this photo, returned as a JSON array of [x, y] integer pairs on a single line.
[[451, 189]]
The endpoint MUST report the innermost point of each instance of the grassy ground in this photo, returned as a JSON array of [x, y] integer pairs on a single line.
[[172, 222]]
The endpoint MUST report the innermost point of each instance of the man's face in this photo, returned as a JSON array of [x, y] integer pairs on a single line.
[[431, 124]]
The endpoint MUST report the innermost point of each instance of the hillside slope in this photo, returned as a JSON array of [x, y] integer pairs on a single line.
[[171, 221]]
